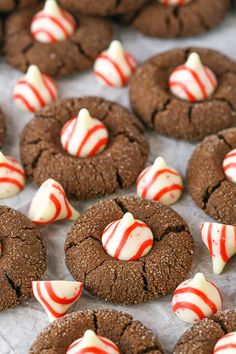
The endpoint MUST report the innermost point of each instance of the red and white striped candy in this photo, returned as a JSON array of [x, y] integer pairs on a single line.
[[195, 299], [52, 24], [114, 66], [160, 182], [56, 297], [50, 204], [90, 343], [229, 166], [220, 240], [35, 90], [226, 345], [127, 239], [193, 81], [174, 2], [84, 136], [12, 176]]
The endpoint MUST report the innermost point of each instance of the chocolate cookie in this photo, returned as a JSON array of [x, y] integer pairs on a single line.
[[2, 128], [129, 335], [22, 258], [74, 54], [116, 167], [160, 110], [206, 180], [11, 5], [191, 19], [130, 282], [202, 337], [105, 7]]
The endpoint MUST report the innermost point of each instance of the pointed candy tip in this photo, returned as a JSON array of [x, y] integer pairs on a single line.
[[128, 217], [116, 48], [193, 61], [51, 7], [89, 333], [199, 278], [84, 114], [159, 162]]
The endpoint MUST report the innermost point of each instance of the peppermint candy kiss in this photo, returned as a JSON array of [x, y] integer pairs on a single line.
[[50, 204], [229, 166], [56, 297], [195, 299], [91, 343], [226, 345], [160, 182], [114, 67], [84, 136], [12, 176], [174, 2], [127, 239], [35, 90], [52, 24], [221, 242], [193, 81]]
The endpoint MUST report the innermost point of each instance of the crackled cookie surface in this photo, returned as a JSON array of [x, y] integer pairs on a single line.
[[116, 167], [157, 273], [162, 111], [22, 257], [73, 54], [204, 335], [129, 335], [207, 183], [11, 5], [190, 18]]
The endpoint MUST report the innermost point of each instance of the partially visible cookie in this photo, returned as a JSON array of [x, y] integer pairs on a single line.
[[190, 19], [22, 257], [105, 7], [129, 335], [130, 282], [11, 5], [160, 110], [74, 54], [2, 128], [206, 180], [202, 337]]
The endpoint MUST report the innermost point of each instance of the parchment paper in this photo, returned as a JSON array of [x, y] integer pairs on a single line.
[[20, 326]]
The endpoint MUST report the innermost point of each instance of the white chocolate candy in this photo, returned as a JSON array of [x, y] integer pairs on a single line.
[[220, 240], [226, 345], [56, 297], [174, 2], [160, 182], [35, 90], [195, 299], [193, 81], [84, 136], [50, 204], [90, 343], [12, 176], [52, 24], [114, 66], [229, 166], [127, 239]]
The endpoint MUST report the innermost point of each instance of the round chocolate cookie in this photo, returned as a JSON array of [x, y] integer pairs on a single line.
[[129, 335], [2, 128], [191, 19], [118, 166], [162, 111], [206, 180], [202, 337], [105, 7], [22, 257], [74, 54], [130, 282], [11, 5]]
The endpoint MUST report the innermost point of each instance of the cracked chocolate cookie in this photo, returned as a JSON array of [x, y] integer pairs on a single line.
[[190, 19], [164, 112], [22, 257], [206, 179], [105, 7], [116, 167], [11, 5], [157, 273], [2, 128], [130, 336], [73, 54], [202, 337]]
